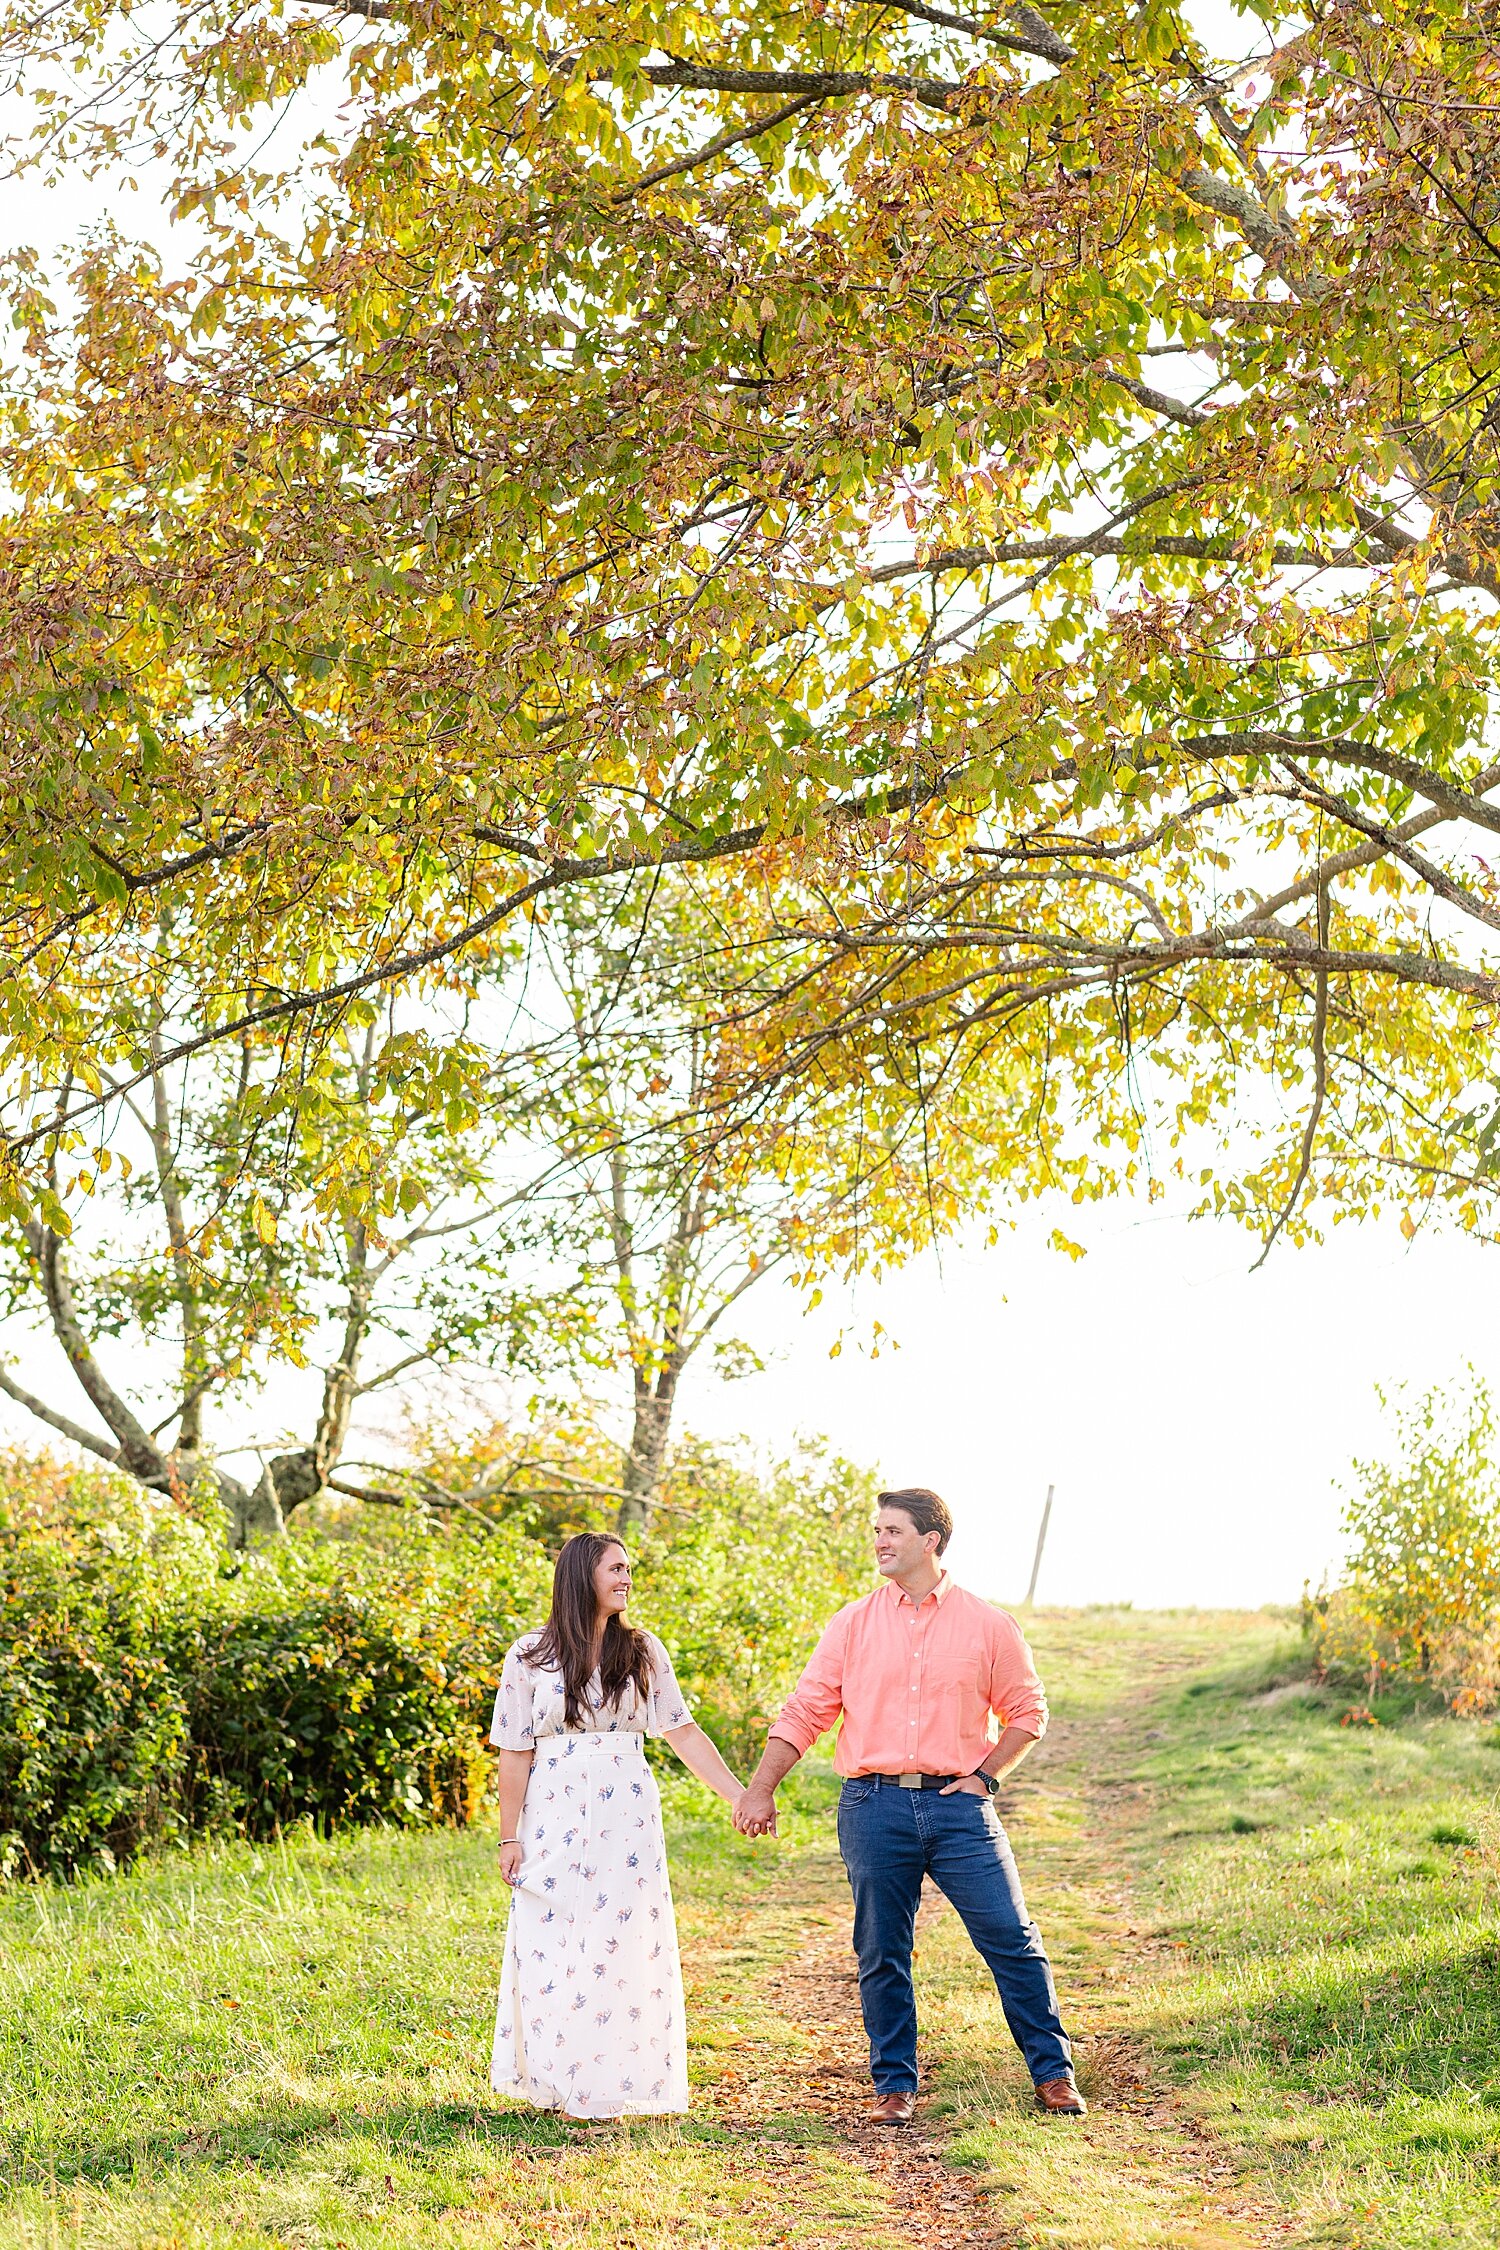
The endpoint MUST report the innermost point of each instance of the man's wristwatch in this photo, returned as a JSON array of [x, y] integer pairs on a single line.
[[992, 1786]]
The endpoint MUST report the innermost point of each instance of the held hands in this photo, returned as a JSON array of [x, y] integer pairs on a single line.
[[754, 1812], [510, 1863]]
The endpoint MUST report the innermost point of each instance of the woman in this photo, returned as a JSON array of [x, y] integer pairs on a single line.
[[591, 2011]]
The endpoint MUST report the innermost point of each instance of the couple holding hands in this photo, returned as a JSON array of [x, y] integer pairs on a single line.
[[591, 2018]]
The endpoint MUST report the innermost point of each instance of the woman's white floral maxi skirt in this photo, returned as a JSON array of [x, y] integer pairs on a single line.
[[591, 2017]]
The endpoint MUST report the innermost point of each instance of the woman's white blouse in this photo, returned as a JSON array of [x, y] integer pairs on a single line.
[[529, 1706]]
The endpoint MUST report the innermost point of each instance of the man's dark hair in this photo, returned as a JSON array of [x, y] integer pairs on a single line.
[[926, 1510]]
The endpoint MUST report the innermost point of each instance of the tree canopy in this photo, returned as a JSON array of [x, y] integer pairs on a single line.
[[1021, 477]]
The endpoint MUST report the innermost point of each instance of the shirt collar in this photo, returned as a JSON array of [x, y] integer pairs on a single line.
[[940, 1591]]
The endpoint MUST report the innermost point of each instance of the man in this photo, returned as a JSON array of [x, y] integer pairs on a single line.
[[916, 1669]]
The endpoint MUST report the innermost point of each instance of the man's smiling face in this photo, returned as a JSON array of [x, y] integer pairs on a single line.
[[899, 1546]]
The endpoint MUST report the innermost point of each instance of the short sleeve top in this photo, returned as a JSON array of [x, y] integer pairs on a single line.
[[529, 1706]]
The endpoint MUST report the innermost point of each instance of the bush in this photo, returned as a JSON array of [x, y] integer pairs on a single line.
[[343, 1682], [151, 1686], [1422, 1599], [92, 1722], [740, 1569]]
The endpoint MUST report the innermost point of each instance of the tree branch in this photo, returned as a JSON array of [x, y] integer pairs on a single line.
[[1271, 236], [1046, 42], [377, 10], [389, 1374], [1455, 802], [223, 848], [340, 1383], [717, 146], [820, 85], [1036, 35], [1320, 1087], [1155, 401], [1392, 845], [402, 1500], [1061, 545], [159, 1131], [693, 849], [136, 1450], [73, 1431], [181, 1407], [1343, 863]]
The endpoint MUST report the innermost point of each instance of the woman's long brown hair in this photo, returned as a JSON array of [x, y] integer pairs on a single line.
[[567, 1638]]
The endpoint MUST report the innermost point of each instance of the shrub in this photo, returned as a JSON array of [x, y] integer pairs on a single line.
[[342, 1683], [1466, 1667], [151, 1686], [551, 1477], [740, 1570], [93, 1722], [1422, 1599]]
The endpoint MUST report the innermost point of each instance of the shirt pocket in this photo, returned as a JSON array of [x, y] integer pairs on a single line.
[[959, 1684]]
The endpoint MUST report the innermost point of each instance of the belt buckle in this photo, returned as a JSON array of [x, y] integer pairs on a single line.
[[909, 1780]]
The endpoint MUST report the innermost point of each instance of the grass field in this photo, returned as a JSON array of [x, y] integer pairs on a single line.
[[1278, 1938]]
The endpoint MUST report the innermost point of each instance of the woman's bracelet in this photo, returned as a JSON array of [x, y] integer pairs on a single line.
[[509, 1840]]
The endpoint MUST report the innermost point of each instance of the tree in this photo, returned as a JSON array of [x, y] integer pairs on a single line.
[[546, 1170], [241, 1217], [1421, 1597], [656, 1191], [523, 500]]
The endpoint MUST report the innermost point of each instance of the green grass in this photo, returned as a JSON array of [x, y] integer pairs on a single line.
[[1278, 1937], [289, 2046], [1340, 2007]]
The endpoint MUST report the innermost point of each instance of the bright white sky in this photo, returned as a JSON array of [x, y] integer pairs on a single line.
[[1194, 1417]]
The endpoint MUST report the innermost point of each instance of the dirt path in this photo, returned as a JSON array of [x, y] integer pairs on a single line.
[[816, 1993], [1140, 2127]]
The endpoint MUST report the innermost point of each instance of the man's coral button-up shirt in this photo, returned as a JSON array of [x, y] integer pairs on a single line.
[[916, 1683]]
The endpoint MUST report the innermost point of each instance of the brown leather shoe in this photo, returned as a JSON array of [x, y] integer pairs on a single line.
[[1059, 2097], [893, 2109]]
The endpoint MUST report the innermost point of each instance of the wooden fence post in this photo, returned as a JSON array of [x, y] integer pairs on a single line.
[[1041, 1541]]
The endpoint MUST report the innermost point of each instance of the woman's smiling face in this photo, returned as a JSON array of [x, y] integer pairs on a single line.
[[612, 1581]]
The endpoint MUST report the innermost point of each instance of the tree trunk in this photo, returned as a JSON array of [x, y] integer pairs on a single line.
[[289, 1479], [646, 1455], [257, 1514], [252, 1514]]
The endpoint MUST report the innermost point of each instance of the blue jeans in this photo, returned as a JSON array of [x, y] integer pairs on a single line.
[[891, 1838]]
